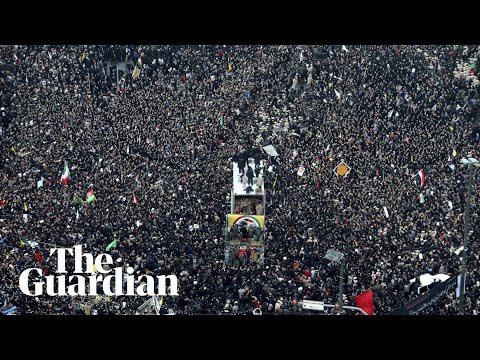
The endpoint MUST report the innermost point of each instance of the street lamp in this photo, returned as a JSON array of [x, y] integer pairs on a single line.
[[338, 257], [470, 162]]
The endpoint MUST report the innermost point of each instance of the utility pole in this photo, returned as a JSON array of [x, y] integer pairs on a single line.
[[338, 257], [342, 272], [465, 240], [470, 162]]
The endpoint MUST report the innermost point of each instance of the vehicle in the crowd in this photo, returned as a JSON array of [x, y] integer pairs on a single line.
[[427, 281]]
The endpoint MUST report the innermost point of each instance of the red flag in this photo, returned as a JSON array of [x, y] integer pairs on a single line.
[[136, 232], [2, 203], [45, 271], [38, 256], [365, 302], [135, 199]]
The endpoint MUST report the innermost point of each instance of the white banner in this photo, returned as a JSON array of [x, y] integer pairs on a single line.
[[386, 212], [459, 282], [270, 150], [313, 305]]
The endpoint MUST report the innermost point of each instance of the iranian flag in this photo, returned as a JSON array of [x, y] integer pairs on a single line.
[[65, 175], [90, 197], [421, 173], [421, 198]]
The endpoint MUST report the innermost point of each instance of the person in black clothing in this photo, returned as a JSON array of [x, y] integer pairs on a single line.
[[244, 232], [250, 175], [249, 252], [257, 171], [242, 160]]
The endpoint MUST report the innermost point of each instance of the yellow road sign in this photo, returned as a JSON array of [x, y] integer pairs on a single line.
[[342, 169]]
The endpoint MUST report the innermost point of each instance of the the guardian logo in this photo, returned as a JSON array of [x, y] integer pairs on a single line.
[[77, 284]]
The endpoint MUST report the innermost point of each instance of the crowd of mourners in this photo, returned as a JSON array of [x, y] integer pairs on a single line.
[[157, 151]]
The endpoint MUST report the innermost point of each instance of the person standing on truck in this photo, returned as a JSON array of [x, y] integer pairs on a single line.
[[250, 175]]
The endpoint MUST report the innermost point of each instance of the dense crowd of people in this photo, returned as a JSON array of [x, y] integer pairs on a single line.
[[157, 151]]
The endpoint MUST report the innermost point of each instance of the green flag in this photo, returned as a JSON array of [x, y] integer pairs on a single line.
[[76, 199], [221, 120], [113, 244]]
